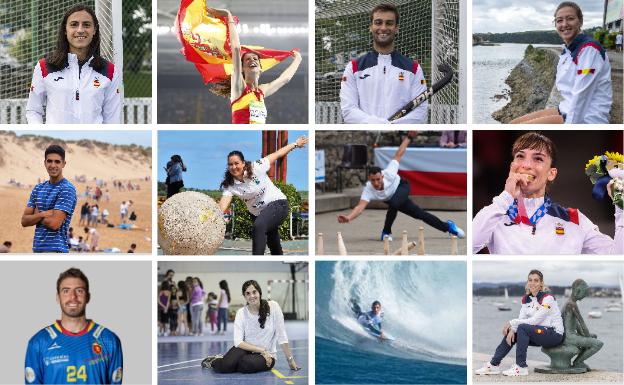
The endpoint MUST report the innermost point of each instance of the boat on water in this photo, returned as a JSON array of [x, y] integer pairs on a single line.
[[503, 306], [594, 313]]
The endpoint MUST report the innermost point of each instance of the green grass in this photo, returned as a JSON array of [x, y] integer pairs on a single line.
[[138, 85]]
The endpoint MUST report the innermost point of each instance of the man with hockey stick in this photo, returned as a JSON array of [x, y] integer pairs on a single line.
[[377, 84]]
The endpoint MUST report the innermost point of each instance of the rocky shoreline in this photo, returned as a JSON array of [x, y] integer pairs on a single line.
[[530, 84]]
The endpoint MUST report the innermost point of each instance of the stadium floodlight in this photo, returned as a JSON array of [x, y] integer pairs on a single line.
[[429, 31]]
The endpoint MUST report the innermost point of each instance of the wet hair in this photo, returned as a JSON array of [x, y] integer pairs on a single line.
[[385, 8], [73, 273], [572, 5], [224, 286], [224, 87], [58, 57], [228, 179], [54, 149], [265, 309], [374, 170], [538, 142], [375, 303], [544, 288]]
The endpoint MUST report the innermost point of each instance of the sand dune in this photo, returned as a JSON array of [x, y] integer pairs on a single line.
[[21, 159]]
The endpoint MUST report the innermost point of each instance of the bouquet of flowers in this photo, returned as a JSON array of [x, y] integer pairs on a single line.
[[606, 172]]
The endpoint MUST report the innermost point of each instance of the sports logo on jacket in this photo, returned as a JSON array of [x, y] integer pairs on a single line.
[[96, 83], [97, 349], [401, 76], [117, 375], [364, 76], [559, 230]]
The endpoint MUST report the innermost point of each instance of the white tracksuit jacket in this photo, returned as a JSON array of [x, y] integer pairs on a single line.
[[74, 95], [375, 86], [541, 310], [584, 80], [560, 231]]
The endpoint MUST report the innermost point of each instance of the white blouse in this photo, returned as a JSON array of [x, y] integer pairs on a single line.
[[247, 328]]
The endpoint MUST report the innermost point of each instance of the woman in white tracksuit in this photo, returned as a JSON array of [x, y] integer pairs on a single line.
[[583, 75], [524, 219], [74, 83], [539, 324]]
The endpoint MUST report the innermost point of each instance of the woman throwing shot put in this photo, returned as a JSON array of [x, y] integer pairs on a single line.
[[258, 328], [523, 219], [245, 93], [583, 75], [74, 82], [266, 203]]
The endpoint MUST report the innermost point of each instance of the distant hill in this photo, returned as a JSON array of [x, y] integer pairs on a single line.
[[21, 159], [527, 37]]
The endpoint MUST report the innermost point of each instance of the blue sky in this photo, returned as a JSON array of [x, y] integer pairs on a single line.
[[141, 138], [205, 155]]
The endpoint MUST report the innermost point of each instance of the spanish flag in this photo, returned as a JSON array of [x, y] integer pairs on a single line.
[[205, 41]]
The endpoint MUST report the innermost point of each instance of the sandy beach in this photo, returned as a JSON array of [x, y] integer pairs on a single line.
[[22, 167]]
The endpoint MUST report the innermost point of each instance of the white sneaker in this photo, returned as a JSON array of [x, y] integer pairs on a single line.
[[488, 369], [516, 370]]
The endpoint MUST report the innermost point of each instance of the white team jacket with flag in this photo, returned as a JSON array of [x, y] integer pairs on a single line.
[[74, 95], [375, 86], [561, 231], [584, 80]]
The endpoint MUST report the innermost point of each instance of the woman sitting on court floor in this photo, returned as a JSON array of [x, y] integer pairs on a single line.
[[258, 328]]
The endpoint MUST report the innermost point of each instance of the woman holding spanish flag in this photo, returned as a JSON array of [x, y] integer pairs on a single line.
[[210, 40]]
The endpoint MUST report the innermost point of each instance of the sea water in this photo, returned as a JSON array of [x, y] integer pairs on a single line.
[[424, 305], [491, 65], [488, 324]]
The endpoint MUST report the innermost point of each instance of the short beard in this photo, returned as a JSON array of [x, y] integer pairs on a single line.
[[385, 44], [79, 315]]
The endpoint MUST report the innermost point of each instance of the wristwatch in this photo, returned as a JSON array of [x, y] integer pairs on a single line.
[[290, 358]]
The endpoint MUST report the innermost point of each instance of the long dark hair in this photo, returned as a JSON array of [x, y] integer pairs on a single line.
[[228, 179], [224, 286], [265, 309], [58, 57]]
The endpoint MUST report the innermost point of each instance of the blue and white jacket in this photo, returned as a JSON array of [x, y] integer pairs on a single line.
[[375, 86], [74, 95], [560, 231], [584, 81]]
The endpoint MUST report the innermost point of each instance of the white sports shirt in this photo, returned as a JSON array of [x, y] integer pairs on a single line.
[[258, 191], [391, 180]]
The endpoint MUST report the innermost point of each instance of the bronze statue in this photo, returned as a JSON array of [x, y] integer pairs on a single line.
[[578, 341]]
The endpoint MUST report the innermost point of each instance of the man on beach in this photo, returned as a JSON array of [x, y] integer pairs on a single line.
[[51, 206]]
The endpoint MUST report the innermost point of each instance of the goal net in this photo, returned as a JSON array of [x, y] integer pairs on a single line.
[[429, 32], [29, 29]]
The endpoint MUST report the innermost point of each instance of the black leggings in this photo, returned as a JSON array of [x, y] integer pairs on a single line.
[[400, 202], [265, 228], [242, 361]]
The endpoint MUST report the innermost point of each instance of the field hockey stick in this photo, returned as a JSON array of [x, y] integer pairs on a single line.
[[447, 76]]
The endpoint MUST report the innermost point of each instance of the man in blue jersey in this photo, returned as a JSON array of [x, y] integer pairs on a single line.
[[51, 206], [74, 349]]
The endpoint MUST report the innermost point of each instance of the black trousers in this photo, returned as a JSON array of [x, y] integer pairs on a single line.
[[242, 361], [400, 202], [174, 188], [265, 228]]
